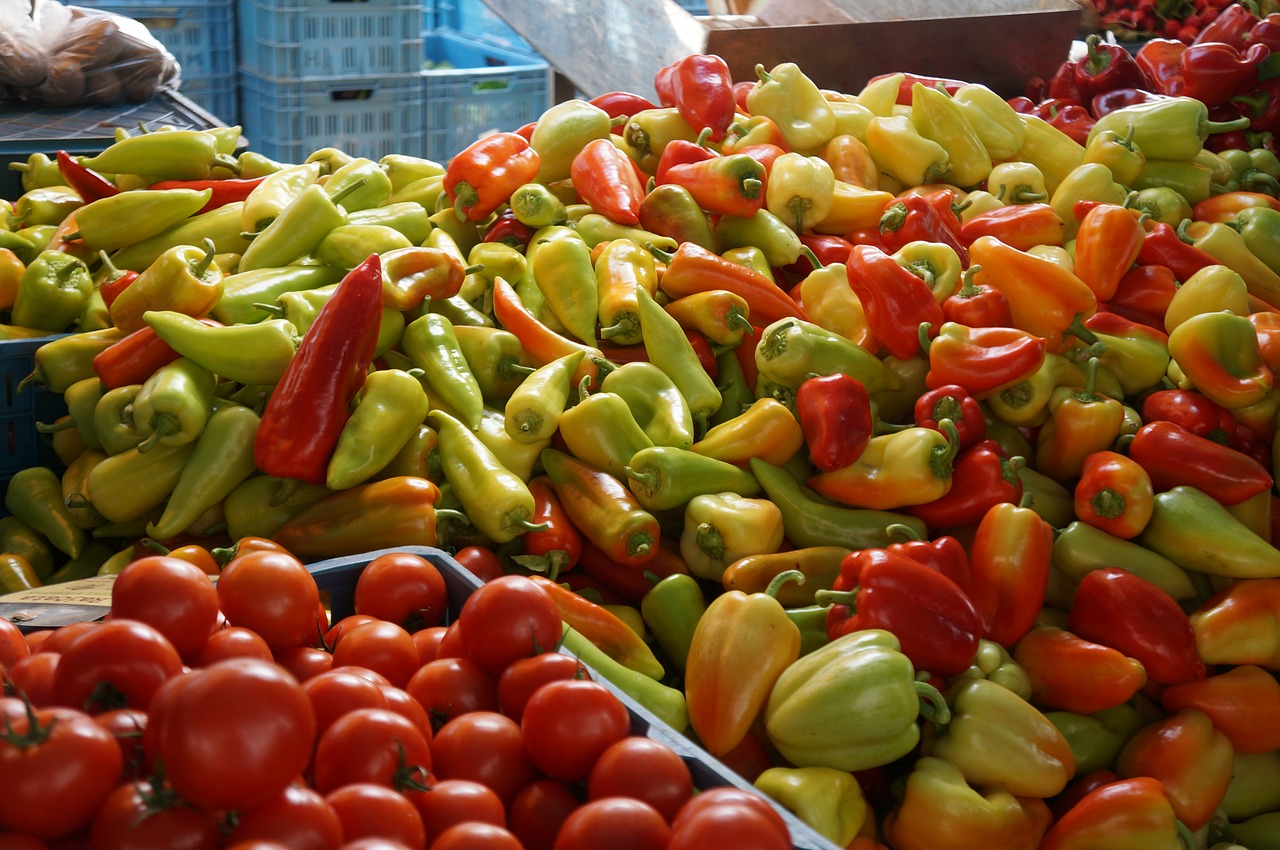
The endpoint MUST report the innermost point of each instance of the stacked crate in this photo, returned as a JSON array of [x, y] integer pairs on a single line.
[[316, 74], [201, 36]]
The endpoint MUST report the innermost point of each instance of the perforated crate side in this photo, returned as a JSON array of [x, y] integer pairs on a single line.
[[474, 19], [201, 34], [486, 89], [21, 446], [317, 38], [217, 95], [289, 119]]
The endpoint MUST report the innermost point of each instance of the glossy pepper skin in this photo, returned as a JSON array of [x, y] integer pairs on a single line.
[[1189, 756], [603, 509], [1134, 811], [835, 415], [486, 172], [1058, 662], [693, 268], [1242, 702], [1173, 456], [400, 509], [984, 476], [1236, 627], [983, 360], [185, 279], [1009, 564], [701, 88], [911, 467], [306, 412], [896, 301], [1197, 532], [53, 292]]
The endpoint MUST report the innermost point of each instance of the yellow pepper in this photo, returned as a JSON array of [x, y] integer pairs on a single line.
[[767, 430], [800, 190], [720, 528], [852, 207], [898, 149], [938, 118], [910, 467]]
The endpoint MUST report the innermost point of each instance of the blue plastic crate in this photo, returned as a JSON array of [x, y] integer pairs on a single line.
[[338, 576], [474, 19], [21, 446], [216, 95], [472, 88], [323, 38], [199, 33], [693, 7], [288, 119]]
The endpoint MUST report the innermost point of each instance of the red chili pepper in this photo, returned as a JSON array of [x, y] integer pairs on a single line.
[[977, 305], [911, 218], [943, 554], [1145, 290], [835, 415], [828, 250], [554, 550], [1232, 26], [1009, 562], [700, 87], [983, 360], [1106, 67], [116, 281], [1192, 411], [1215, 72], [952, 401], [1161, 60], [305, 414], [746, 357], [223, 192], [728, 185], [984, 477], [896, 301], [1163, 246], [482, 177], [135, 357], [1124, 611], [706, 354], [609, 181], [1109, 101], [1174, 456], [937, 624], [908, 80], [89, 184], [629, 583], [509, 230], [680, 152], [1022, 226]]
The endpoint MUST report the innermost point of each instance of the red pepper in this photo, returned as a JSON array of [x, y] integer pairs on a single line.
[[1106, 67], [943, 554], [1144, 293], [223, 192], [695, 269], [1070, 673], [1261, 105], [1163, 246], [509, 230], [1109, 101], [702, 348], [1250, 443], [134, 358], [1009, 562], [1265, 31], [1215, 72], [628, 582], [482, 177], [542, 343], [983, 360], [1068, 116], [1124, 611], [305, 414], [943, 200], [984, 476], [1125, 813], [1243, 702], [1173, 456], [1079, 789], [700, 87], [911, 218], [1107, 243], [934, 620], [1024, 105], [1023, 226], [116, 282], [868, 236], [1115, 494], [1192, 411], [1161, 59], [525, 131], [952, 401], [728, 185], [89, 184], [620, 104], [1232, 26], [897, 302], [949, 85], [828, 250], [608, 180], [764, 153], [977, 305], [555, 549], [678, 152], [835, 415], [1062, 85]]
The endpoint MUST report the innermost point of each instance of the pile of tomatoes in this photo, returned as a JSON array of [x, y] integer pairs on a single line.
[[202, 715]]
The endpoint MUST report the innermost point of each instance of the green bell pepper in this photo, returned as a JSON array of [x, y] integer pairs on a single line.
[[671, 610], [1097, 739], [53, 293]]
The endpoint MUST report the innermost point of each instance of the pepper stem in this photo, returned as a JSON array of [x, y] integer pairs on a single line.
[[735, 320], [274, 310], [942, 458], [658, 253], [776, 583], [1107, 503], [827, 598], [925, 341], [701, 141], [164, 426], [464, 196], [761, 74], [933, 707], [968, 288], [1212, 127], [64, 425], [1078, 330]]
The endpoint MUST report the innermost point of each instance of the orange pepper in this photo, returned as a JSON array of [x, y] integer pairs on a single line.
[[1191, 758]]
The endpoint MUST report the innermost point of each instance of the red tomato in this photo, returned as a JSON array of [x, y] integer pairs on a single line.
[[13, 646], [508, 618], [133, 818], [337, 692], [427, 642], [305, 662], [619, 823], [474, 835], [33, 677], [236, 734], [521, 678], [567, 724], [451, 801], [451, 642], [729, 796], [300, 819], [538, 811], [401, 703], [485, 747], [273, 594], [118, 664], [60, 639], [450, 687], [728, 825], [381, 646], [19, 841], [375, 844], [336, 631], [232, 642], [366, 810], [34, 639], [403, 588], [645, 769], [173, 595], [56, 768], [127, 726], [370, 745], [481, 561]]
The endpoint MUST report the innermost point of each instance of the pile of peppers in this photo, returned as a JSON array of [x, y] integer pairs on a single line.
[[895, 446]]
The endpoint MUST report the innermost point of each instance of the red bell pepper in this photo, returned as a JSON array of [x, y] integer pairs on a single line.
[[1024, 226], [911, 218], [509, 230], [305, 414], [1009, 562], [1069, 116], [1106, 67], [944, 554], [1191, 759], [608, 180], [680, 152], [1233, 25], [1243, 701], [835, 415], [934, 620], [896, 301], [1144, 292], [88, 184], [483, 175], [977, 305], [621, 104], [1265, 31], [727, 185], [1109, 101], [1114, 493], [1124, 611], [1261, 105], [952, 401], [1079, 789], [222, 192], [1164, 246], [1107, 244], [982, 360], [1161, 60], [1128, 813], [1173, 456], [1215, 72], [1192, 411], [700, 87], [1062, 85], [1073, 674], [984, 476]]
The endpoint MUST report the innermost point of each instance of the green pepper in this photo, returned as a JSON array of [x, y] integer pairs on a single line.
[[1047, 498], [790, 350], [274, 193], [496, 358], [38, 172], [735, 393], [811, 620], [667, 703], [117, 221], [1097, 739], [45, 206], [1260, 229], [301, 308], [426, 192], [431, 345], [368, 183], [1162, 204], [1196, 532], [418, 457], [533, 411], [671, 210], [75, 483], [172, 155], [535, 206], [670, 350], [751, 257], [851, 705], [81, 398], [795, 104], [1191, 180], [655, 401], [938, 117], [601, 430], [260, 505], [62, 362], [666, 477], [113, 421], [1089, 181], [174, 404], [561, 266], [1169, 128], [465, 234], [671, 609], [87, 565], [348, 245], [1261, 832], [765, 231], [828, 800], [34, 495], [595, 228], [221, 460], [389, 409], [649, 131], [296, 232], [993, 662], [53, 293], [561, 132], [407, 218], [243, 291], [1081, 548], [22, 249], [221, 226], [1255, 785], [247, 354], [253, 164], [19, 538], [402, 169], [497, 259]]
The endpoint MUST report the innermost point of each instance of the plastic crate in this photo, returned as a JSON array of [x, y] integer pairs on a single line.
[[21, 446], [218, 95], [199, 33], [322, 38], [483, 88], [693, 7], [338, 577], [288, 119], [474, 19]]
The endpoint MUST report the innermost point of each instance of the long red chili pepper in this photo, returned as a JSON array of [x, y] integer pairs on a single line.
[[305, 414], [1174, 456], [896, 301], [223, 192], [89, 184], [608, 180]]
